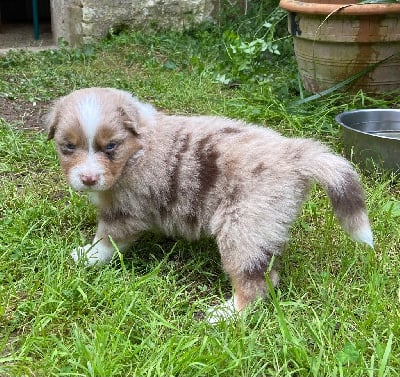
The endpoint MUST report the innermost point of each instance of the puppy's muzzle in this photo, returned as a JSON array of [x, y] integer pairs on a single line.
[[89, 179]]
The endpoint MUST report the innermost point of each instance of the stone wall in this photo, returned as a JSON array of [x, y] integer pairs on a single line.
[[85, 21]]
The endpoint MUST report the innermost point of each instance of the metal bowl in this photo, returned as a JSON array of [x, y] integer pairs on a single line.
[[372, 137]]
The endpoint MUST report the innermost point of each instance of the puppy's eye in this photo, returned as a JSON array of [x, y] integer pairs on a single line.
[[110, 148], [68, 148]]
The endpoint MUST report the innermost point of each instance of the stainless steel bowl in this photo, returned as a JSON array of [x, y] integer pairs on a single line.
[[372, 137]]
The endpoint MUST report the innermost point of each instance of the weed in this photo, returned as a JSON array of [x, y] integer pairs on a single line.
[[249, 58]]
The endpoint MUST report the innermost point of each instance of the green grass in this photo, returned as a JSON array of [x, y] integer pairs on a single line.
[[336, 312]]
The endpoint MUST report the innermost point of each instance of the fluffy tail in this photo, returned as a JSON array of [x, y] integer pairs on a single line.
[[342, 184]]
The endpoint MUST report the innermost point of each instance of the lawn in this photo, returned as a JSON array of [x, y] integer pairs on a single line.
[[336, 311]]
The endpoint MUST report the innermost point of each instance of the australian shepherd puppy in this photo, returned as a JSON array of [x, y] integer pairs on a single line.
[[190, 176]]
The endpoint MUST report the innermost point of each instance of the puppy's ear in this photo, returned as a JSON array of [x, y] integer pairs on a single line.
[[135, 114], [130, 118], [51, 120]]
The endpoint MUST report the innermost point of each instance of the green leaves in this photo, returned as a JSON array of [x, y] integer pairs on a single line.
[[248, 55], [392, 208], [349, 354]]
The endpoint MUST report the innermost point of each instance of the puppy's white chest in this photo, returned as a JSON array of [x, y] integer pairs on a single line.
[[94, 198]]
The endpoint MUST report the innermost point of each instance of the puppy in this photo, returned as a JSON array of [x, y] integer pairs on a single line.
[[196, 175]]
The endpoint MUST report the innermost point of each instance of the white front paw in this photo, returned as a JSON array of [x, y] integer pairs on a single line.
[[92, 254]]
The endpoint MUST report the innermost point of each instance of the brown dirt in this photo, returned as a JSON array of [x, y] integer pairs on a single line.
[[20, 36], [23, 114]]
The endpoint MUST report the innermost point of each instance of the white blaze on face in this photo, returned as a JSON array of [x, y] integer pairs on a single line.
[[89, 116], [88, 169]]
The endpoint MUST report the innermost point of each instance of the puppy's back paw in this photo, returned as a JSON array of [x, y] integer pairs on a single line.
[[80, 254], [222, 312]]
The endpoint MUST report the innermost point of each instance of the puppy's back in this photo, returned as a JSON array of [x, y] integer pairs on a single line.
[[215, 165]]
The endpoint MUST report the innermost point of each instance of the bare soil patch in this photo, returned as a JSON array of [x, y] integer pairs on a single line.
[[23, 114]]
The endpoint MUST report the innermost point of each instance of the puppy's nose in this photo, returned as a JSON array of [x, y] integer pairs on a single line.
[[89, 179]]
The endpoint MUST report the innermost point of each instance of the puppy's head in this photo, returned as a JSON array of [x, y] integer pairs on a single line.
[[96, 132]]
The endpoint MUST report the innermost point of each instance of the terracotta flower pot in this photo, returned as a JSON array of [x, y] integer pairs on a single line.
[[334, 40]]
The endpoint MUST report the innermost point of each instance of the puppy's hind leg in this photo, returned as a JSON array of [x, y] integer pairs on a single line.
[[247, 274], [249, 283]]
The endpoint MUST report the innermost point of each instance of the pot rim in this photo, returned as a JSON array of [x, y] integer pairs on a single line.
[[341, 7]]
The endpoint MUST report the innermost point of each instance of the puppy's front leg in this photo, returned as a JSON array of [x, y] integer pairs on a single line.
[[100, 251]]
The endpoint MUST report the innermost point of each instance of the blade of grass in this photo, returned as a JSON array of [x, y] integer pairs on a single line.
[[385, 358]]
